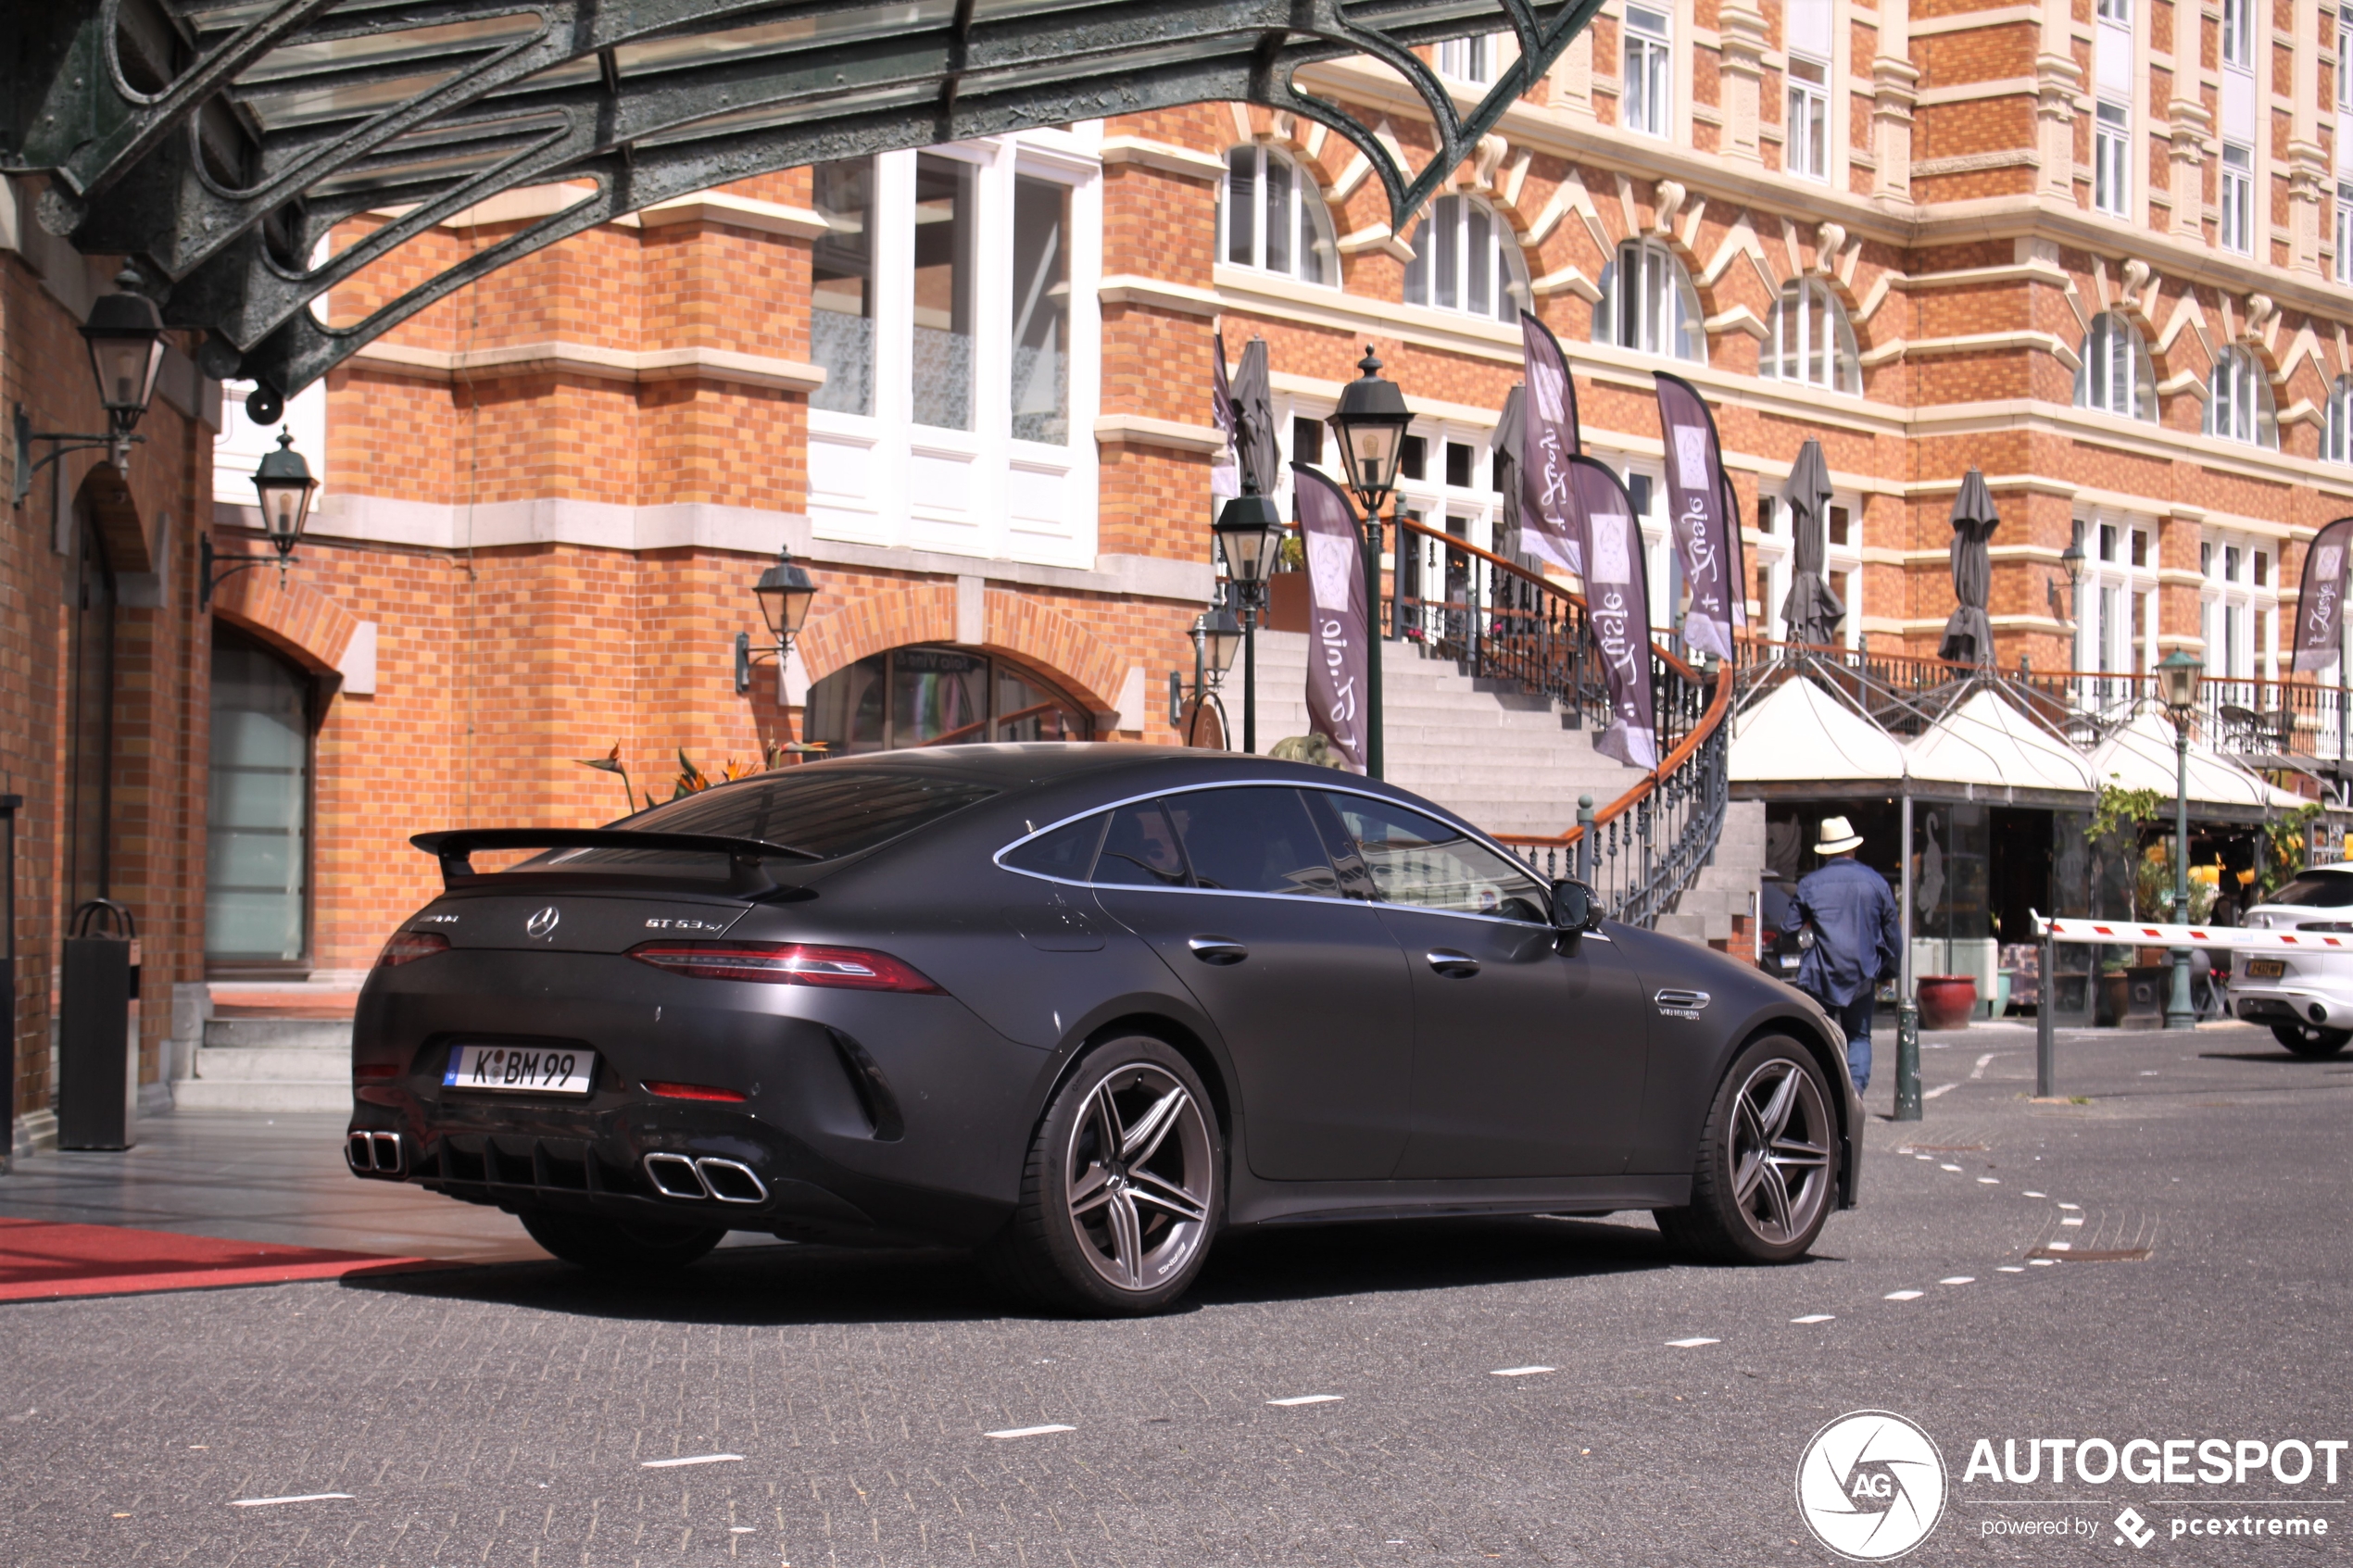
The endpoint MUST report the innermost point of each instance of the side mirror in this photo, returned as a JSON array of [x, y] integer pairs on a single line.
[[1575, 908]]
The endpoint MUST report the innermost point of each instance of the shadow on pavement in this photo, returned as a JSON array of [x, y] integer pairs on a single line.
[[789, 1285]]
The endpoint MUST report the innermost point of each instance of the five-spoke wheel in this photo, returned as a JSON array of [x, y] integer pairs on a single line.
[[1767, 1161], [1123, 1189]]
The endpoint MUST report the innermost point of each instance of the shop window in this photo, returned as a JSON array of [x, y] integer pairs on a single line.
[[257, 827], [917, 697]]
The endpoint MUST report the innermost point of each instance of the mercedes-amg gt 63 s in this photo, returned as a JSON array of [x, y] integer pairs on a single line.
[[1081, 1008]]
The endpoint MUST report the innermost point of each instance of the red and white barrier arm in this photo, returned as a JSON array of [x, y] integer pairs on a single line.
[[2135, 934]]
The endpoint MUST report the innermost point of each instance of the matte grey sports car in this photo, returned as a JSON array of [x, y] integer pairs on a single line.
[[1081, 1007]]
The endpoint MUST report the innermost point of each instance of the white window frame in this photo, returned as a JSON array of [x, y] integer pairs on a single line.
[[2117, 13], [1306, 209], [1823, 352], [2238, 400], [2116, 601], [2116, 376], [2237, 189], [2336, 424], [2239, 619], [2238, 34], [1471, 59], [2345, 234], [2112, 158], [1506, 269], [1808, 130], [1646, 87], [1666, 305], [883, 480]]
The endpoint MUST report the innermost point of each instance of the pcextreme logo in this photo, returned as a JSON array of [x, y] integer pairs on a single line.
[[1870, 1485]]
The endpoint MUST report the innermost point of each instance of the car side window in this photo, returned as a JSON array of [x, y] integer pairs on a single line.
[[1418, 860], [1140, 849], [1252, 840], [1067, 852]]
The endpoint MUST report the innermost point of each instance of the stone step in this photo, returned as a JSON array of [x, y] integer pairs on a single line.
[[292, 1063], [231, 1094], [279, 1033]]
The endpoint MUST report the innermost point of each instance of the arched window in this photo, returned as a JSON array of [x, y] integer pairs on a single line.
[[2116, 376], [2336, 432], [1466, 258], [1271, 216], [915, 696], [1648, 304], [1812, 342], [2238, 405]]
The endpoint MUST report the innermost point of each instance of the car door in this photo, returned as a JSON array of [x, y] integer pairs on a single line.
[[1233, 889], [1530, 1050]]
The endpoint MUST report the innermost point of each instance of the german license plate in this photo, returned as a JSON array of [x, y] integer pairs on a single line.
[[537, 1070], [2266, 968]]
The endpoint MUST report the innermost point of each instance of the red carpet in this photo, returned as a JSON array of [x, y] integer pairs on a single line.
[[39, 1260]]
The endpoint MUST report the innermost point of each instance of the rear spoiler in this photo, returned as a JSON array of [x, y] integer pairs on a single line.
[[454, 848]]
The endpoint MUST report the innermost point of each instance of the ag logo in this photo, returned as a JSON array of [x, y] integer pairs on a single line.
[[539, 925], [1870, 1485]]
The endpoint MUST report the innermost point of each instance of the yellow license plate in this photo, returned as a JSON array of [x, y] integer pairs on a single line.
[[2266, 968]]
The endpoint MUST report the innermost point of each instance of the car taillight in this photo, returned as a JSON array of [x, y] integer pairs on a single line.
[[693, 1091], [786, 963], [407, 946], [375, 1071]]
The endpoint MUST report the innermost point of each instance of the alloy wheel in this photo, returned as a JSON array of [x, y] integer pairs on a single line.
[[1139, 1177], [1781, 1141]]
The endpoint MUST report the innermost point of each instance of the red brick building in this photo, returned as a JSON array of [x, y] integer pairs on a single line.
[[2097, 250]]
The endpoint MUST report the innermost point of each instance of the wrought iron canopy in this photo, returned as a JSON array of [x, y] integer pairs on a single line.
[[215, 142]]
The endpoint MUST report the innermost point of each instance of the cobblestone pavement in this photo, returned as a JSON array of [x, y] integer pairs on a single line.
[[1529, 1391]]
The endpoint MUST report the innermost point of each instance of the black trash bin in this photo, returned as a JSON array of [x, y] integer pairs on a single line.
[[97, 1055]]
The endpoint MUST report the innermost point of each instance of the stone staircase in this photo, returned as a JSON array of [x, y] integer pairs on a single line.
[[1718, 910], [290, 1057]]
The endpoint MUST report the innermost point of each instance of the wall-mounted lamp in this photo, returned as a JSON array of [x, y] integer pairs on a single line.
[[125, 337], [784, 592], [285, 487]]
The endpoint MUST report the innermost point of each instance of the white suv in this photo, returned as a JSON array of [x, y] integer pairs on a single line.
[[2306, 997]]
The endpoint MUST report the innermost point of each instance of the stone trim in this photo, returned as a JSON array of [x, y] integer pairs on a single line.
[[1183, 298], [560, 357], [1163, 157], [1142, 430]]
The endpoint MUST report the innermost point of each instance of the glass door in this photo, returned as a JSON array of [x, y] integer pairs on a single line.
[[258, 859]]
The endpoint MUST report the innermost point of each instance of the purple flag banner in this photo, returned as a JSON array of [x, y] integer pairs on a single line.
[[1339, 627], [1695, 484], [1618, 599], [1548, 440], [2319, 606]]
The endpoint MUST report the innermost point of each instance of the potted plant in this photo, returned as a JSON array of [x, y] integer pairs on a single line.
[[1947, 1000]]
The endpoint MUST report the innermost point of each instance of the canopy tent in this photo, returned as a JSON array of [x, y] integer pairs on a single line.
[[1985, 741], [2141, 755], [1800, 733]]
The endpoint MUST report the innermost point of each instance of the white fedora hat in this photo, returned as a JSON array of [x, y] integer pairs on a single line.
[[1838, 836]]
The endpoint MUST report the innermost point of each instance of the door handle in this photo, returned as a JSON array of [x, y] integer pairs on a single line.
[[1452, 964], [1220, 950]]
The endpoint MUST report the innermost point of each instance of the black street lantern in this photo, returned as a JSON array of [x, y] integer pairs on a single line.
[[1219, 633], [285, 486], [1371, 426], [1250, 529], [785, 591], [125, 335]]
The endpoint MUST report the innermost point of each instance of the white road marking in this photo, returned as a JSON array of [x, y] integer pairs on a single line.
[[2075, 1205], [1519, 1371], [1989, 1181], [1940, 1089], [1903, 1295], [1958, 1279], [2009, 1269], [1309, 1400], [2034, 1195], [1815, 1317], [1692, 1344], [2070, 1222], [1924, 1157], [1979, 1070], [2058, 1245], [741, 1530], [690, 1459], [1954, 1168], [1028, 1431], [2043, 1262], [272, 1502]]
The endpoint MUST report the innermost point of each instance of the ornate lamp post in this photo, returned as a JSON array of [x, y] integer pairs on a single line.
[[125, 337], [1216, 634], [1370, 424], [785, 591], [285, 487], [2178, 673], [1251, 530]]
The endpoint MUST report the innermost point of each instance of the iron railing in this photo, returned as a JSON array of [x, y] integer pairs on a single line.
[[1504, 621]]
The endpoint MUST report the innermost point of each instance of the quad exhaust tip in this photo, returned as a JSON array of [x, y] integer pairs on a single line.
[[376, 1154], [724, 1181]]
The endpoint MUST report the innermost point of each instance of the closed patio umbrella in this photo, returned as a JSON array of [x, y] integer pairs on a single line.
[[1968, 636], [1811, 612], [1507, 443], [1254, 443]]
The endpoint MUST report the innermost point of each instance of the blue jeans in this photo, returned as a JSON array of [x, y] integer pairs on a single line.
[[1854, 1017]]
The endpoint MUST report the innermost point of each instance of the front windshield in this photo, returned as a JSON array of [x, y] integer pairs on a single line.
[[2325, 892], [827, 811]]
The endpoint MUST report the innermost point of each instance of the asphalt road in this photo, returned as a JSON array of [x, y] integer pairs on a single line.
[[518, 1412]]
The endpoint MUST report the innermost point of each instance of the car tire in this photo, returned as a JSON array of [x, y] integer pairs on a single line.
[[1127, 1234], [2310, 1040], [1766, 1174], [620, 1248]]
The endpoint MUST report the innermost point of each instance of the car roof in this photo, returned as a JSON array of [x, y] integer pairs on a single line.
[[1015, 764]]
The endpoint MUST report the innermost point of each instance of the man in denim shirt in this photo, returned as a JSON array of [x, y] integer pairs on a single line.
[[1856, 933]]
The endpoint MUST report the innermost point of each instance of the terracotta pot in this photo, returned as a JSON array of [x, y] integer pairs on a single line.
[[1287, 603], [2112, 999], [1947, 1000]]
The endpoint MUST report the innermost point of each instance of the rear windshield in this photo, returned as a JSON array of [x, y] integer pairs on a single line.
[[827, 812], [2319, 892]]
